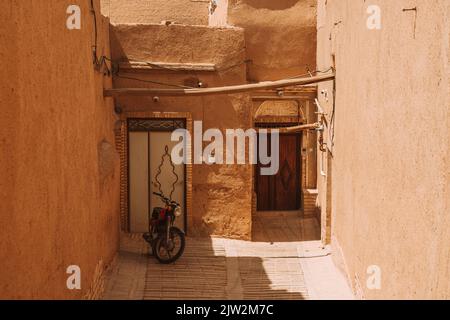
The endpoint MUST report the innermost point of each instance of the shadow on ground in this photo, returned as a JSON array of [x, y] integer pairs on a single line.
[[224, 269], [268, 268]]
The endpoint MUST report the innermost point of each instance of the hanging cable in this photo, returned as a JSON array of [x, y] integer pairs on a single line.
[[311, 72], [333, 115], [115, 70], [154, 82], [99, 62], [94, 46]]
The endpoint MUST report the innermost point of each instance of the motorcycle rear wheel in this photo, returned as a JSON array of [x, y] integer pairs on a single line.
[[148, 238], [164, 252]]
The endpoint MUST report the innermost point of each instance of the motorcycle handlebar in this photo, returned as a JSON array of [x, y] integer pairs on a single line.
[[164, 198], [161, 196]]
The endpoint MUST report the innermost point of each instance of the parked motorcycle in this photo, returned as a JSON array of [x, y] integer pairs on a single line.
[[166, 240]]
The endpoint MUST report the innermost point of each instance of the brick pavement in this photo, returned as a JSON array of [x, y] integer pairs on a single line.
[[216, 268]]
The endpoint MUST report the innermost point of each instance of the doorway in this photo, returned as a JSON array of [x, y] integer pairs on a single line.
[[150, 169], [281, 192]]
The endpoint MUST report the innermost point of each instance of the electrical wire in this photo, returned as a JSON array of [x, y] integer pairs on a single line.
[[100, 62], [116, 73], [234, 65], [333, 116], [157, 66], [94, 47], [154, 82], [116, 70], [310, 73]]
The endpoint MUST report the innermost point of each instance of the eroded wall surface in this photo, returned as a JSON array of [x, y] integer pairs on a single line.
[[221, 193], [59, 188], [390, 166], [154, 11], [280, 36]]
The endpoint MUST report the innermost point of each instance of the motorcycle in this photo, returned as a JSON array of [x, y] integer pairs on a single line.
[[166, 241]]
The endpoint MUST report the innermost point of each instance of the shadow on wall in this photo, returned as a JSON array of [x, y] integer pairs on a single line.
[[271, 4], [280, 36]]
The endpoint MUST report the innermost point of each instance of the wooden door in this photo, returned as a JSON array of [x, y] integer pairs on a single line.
[[281, 192]]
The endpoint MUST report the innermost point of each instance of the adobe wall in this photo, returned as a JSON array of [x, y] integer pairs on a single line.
[[280, 41], [390, 166], [155, 11], [221, 193], [59, 196], [280, 36]]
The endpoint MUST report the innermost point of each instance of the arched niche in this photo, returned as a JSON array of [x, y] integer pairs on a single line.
[[279, 110]]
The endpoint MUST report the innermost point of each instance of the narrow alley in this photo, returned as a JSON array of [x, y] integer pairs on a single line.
[[285, 266], [266, 149]]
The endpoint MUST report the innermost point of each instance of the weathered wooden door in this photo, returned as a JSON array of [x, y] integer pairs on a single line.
[[281, 192]]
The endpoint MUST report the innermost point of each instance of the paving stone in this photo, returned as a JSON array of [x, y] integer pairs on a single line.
[[273, 267]]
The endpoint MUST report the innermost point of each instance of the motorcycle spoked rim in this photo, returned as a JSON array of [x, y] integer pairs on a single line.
[[173, 253]]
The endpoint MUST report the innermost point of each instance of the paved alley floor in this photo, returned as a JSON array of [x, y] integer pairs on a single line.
[[216, 268]]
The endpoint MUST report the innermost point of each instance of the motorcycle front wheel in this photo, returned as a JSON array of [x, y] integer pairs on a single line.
[[169, 251]]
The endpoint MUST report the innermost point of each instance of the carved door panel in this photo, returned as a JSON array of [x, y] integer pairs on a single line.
[[281, 192], [171, 177]]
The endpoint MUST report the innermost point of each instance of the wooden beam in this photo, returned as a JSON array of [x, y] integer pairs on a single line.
[[294, 129], [218, 90], [281, 98], [301, 128]]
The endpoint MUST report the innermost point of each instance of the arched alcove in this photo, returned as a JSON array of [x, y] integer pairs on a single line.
[[280, 109]]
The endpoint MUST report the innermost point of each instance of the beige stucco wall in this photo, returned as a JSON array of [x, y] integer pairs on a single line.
[[390, 166], [218, 14], [221, 203], [280, 36], [194, 12], [59, 181]]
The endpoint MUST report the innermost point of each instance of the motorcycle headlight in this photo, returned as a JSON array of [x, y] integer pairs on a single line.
[[177, 212]]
